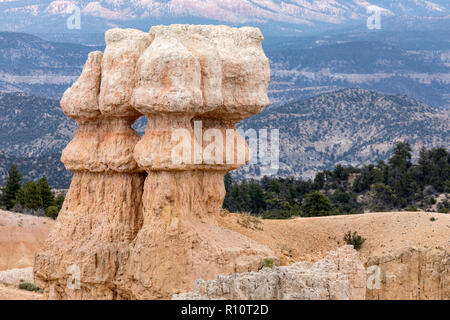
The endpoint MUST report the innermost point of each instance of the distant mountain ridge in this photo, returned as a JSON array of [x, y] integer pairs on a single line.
[[300, 67], [423, 74], [350, 126], [275, 16], [43, 68]]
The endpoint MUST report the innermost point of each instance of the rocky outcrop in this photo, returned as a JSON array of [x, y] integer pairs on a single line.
[[14, 277], [339, 276], [414, 273], [406, 254], [139, 220]]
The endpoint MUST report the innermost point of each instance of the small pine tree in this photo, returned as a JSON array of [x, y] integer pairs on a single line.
[[12, 187], [52, 212], [228, 182], [316, 204], [48, 198], [29, 196]]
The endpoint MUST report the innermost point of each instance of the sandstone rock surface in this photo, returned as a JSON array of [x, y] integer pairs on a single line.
[[140, 218], [414, 273], [188, 76], [339, 276], [406, 254]]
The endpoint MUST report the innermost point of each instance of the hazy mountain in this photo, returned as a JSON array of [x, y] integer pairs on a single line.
[[43, 68], [301, 67], [351, 126], [423, 74], [273, 16]]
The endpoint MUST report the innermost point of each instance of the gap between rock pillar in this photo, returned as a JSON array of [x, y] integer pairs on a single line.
[[86, 252], [189, 77]]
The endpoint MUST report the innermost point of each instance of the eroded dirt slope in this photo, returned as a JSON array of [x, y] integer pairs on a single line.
[[20, 237], [408, 253]]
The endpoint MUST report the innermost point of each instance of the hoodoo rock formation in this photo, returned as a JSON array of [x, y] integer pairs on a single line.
[[139, 220]]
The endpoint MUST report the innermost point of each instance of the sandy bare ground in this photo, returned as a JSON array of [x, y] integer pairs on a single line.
[[20, 237], [300, 239], [310, 239], [10, 293]]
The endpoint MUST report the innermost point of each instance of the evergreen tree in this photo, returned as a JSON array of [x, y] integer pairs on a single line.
[[319, 180], [365, 179], [29, 196], [47, 196], [393, 185], [399, 179], [256, 194], [440, 169], [316, 204], [340, 172], [12, 187], [59, 201], [228, 182], [52, 212], [383, 195], [381, 172], [425, 166], [243, 199]]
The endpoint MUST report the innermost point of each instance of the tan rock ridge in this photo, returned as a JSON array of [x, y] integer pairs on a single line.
[[136, 223]]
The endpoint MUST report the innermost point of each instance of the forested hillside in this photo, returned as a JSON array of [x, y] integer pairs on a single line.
[[397, 184]]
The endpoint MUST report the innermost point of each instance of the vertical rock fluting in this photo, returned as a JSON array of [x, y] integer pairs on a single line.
[[194, 83], [102, 212], [139, 217], [414, 273]]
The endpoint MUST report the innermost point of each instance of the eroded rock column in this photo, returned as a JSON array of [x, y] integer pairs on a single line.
[[86, 252], [194, 83], [139, 220]]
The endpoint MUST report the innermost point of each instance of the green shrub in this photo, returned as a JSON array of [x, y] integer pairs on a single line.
[[59, 200], [443, 207], [30, 287], [377, 208], [52, 212], [411, 209], [354, 239], [268, 263], [432, 219]]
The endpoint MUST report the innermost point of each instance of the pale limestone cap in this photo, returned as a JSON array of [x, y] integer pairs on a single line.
[[214, 70], [81, 100], [123, 49]]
